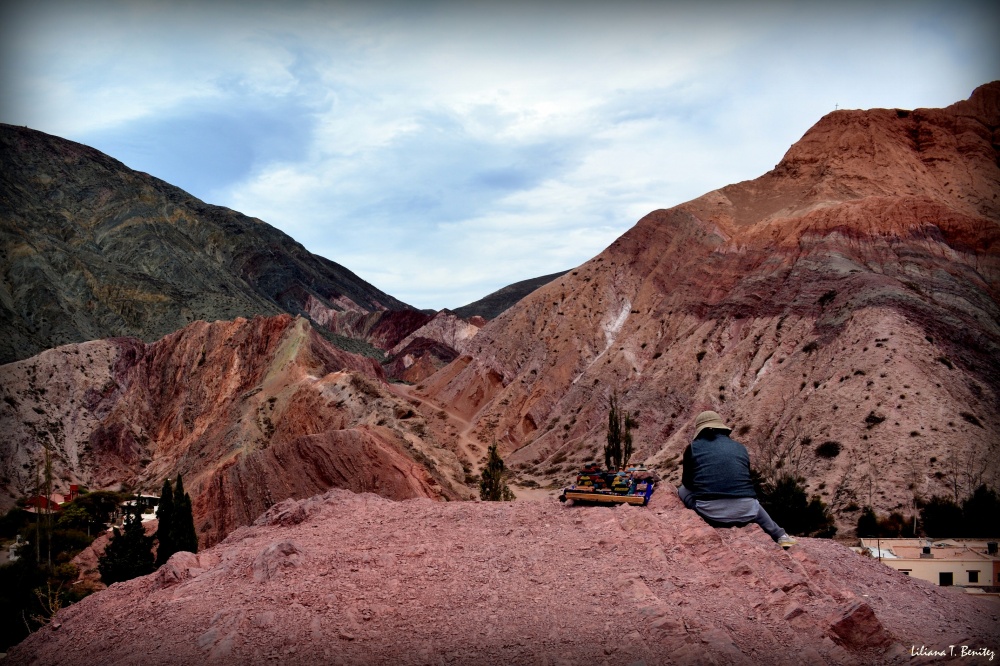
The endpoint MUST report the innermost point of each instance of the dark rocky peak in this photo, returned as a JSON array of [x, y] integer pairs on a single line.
[[93, 249]]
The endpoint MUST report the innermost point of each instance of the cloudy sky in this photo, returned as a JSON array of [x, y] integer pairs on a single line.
[[442, 150]]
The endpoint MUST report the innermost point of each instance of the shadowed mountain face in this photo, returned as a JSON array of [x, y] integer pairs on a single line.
[[92, 249], [848, 296], [493, 305]]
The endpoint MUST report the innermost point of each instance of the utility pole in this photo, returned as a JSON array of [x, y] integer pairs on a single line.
[[38, 517], [48, 503]]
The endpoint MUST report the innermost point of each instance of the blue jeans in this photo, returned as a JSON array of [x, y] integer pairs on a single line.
[[735, 512]]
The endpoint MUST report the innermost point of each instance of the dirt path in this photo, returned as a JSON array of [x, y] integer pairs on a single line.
[[468, 447]]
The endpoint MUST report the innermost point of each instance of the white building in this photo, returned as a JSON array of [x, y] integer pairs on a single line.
[[969, 563]]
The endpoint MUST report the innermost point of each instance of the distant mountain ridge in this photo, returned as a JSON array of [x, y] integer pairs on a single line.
[[92, 249], [493, 305]]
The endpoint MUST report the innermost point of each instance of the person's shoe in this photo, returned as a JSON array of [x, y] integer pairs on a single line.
[[786, 541]]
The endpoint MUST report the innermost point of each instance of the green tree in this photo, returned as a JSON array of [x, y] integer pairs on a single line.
[[618, 450], [981, 513], [868, 523], [165, 525], [185, 536], [31, 591], [99, 505], [492, 487], [73, 517], [941, 517], [129, 553], [786, 502], [175, 531]]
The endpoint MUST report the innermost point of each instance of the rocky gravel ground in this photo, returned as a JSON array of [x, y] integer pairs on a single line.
[[347, 578]]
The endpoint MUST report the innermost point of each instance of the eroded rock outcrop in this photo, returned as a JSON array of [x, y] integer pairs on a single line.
[[359, 579], [250, 411], [848, 300], [415, 344]]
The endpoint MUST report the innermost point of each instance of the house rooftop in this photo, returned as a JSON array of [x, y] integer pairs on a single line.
[[940, 549]]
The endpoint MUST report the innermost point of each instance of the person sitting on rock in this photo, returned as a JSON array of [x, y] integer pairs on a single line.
[[716, 480]]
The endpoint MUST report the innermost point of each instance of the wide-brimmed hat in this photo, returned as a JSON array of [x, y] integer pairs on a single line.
[[709, 420]]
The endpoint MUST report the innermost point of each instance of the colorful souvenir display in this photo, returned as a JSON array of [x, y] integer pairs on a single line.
[[633, 485]]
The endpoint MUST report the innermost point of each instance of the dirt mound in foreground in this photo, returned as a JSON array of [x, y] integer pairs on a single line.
[[360, 579]]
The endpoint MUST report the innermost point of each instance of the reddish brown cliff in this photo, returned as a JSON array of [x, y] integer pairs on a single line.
[[850, 295], [251, 412]]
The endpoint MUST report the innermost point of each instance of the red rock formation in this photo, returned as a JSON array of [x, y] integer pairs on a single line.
[[417, 344], [419, 359], [850, 295], [359, 579], [443, 327], [383, 329], [250, 412]]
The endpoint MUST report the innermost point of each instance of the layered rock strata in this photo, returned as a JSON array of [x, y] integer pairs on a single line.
[[93, 249], [414, 344], [251, 412], [841, 312]]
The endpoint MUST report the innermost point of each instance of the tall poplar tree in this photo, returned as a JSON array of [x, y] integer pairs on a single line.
[[130, 552], [164, 530], [185, 536], [175, 531], [492, 487]]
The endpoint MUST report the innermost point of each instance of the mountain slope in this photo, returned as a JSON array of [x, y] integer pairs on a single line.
[[492, 305], [849, 296], [251, 412], [92, 249]]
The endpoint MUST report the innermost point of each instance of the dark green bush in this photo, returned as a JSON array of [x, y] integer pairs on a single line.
[[981, 513], [940, 517], [868, 523], [829, 449], [786, 502]]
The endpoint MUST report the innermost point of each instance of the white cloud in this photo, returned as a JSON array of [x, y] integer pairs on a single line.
[[442, 150]]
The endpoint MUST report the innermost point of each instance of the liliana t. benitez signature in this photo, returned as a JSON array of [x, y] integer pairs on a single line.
[[952, 651]]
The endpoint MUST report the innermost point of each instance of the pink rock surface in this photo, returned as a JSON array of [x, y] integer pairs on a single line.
[[347, 578]]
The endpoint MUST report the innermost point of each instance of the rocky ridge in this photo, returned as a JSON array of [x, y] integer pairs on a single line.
[[415, 344], [92, 249], [848, 300], [493, 305], [251, 412], [358, 579]]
